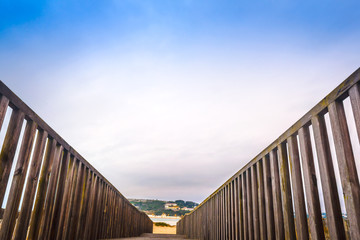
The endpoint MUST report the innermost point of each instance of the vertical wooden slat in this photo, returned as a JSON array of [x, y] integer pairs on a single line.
[[275, 183], [354, 94], [4, 102], [241, 210], [245, 211], [50, 195], [255, 202], [270, 225], [37, 213], [92, 207], [8, 149], [261, 199], [347, 166], [249, 204], [288, 211], [66, 201], [12, 206], [328, 180], [96, 224], [63, 232], [236, 207], [232, 210], [75, 209], [84, 205], [224, 226], [298, 190], [65, 172], [312, 195], [29, 194]]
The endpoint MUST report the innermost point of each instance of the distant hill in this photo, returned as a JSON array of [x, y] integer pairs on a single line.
[[157, 207]]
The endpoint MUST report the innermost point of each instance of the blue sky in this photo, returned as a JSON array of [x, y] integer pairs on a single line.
[[170, 98]]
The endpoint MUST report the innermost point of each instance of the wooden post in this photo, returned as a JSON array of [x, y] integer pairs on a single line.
[[270, 225], [298, 190], [261, 199], [27, 203], [12, 206], [9, 148], [288, 211], [328, 180], [347, 166], [37, 213], [255, 202], [275, 183], [312, 195]]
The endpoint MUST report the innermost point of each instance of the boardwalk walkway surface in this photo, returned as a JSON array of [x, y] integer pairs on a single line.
[[152, 236]]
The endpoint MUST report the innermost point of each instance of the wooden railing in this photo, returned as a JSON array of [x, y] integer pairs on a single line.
[[257, 202], [55, 193]]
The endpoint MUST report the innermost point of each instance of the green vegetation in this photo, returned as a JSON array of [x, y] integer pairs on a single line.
[[157, 207], [162, 224], [187, 204]]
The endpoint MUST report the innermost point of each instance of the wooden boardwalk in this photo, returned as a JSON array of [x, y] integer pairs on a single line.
[[152, 236]]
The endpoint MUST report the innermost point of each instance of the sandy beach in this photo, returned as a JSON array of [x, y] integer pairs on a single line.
[[165, 230]]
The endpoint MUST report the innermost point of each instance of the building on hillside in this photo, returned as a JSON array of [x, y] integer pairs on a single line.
[[172, 206], [187, 209]]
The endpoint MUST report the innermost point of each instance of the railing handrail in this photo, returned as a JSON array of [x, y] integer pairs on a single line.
[[338, 93], [64, 195], [16, 102]]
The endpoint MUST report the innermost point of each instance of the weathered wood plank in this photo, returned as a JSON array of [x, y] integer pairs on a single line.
[[4, 102], [8, 149], [347, 166], [311, 188], [261, 199], [255, 202], [92, 208], [236, 207], [13, 202], [298, 190], [245, 206], [59, 208], [37, 213], [328, 180], [75, 209], [84, 210], [249, 204], [270, 225], [66, 199], [354, 93], [29, 194], [241, 209], [288, 211], [276, 192], [50, 195]]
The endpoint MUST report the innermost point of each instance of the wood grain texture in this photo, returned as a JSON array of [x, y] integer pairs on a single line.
[[276, 192], [328, 180], [298, 189], [255, 202], [13, 202], [4, 102], [8, 149], [289, 225], [269, 209], [311, 187], [261, 199], [347, 166], [38, 211], [32, 179]]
